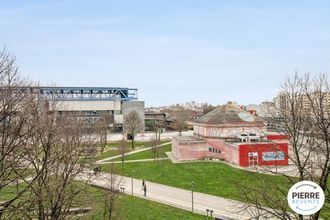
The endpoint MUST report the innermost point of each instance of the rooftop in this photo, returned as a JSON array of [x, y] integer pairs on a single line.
[[229, 113], [189, 140]]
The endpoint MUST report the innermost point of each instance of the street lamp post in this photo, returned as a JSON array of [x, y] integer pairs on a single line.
[[192, 195], [133, 171]]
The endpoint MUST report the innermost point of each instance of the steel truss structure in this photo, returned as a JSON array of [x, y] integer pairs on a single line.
[[83, 93]]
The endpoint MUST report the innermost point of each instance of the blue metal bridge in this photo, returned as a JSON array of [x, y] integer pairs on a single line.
[[83, 93]]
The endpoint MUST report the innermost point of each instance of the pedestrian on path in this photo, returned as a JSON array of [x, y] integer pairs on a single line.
[[145, 190], [143, 183], [97, 170]]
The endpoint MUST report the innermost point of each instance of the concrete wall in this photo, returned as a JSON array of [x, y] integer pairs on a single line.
[[88, 105], [189, 150], [195, 150], [261, 149], [137, 106], [229, 153], [236, 153], [118, 119], [120, 108], [226, 132]]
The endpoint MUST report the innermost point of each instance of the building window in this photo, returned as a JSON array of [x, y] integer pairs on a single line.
[[214, 150], [117, 112]]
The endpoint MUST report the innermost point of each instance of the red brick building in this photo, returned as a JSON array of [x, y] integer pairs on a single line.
[[232, 134]]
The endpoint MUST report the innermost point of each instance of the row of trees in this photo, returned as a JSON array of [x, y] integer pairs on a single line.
[[302, 111], [39, 151], [40, 148]]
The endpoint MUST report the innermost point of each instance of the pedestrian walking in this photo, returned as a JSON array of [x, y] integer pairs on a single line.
[[145, 190], [97, 170], [143, 183]]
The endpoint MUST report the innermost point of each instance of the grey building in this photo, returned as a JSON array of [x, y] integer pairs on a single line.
[[90, 102]]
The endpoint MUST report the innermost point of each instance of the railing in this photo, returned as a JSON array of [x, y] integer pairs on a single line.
[[82, 93]]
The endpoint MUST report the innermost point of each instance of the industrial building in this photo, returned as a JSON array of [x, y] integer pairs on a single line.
[[90, 102], [232, 134]]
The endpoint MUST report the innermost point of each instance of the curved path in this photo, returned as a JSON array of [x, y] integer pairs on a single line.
[[176, 197]]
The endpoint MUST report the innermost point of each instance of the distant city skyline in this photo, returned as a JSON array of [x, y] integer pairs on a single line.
[[172, 51]]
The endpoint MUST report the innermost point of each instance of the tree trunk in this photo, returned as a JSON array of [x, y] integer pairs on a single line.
[[316, 215], [41, 212]]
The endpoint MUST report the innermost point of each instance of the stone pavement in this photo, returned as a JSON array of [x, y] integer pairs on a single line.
[[176, 197]]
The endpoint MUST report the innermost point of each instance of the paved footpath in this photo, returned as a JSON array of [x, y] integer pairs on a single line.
[[176, 197]]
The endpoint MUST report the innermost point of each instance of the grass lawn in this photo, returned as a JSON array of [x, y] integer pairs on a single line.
[[213, 178], [99, 156], [140, 144], [129, 207], [148, 154], [10, 192], [111, 150], [108, 153], [136, 208]]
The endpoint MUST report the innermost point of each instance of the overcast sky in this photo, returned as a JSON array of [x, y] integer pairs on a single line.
[[171, 50]]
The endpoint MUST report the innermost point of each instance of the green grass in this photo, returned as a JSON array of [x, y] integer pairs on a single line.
[[136, 208], [99, 156], [137, 144], [148, 154], [212, 178], [111, 151], [9, 192], [129, 207], [108, 153]]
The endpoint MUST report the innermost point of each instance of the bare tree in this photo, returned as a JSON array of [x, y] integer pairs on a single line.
[[317, 91], [181, 120], [111, 206], [158, 130], [302, 111], [103, 125], [123, 147], [53, 153], [39, 151], [155, 149], [15, 113], [132, 125], [207, 108]]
